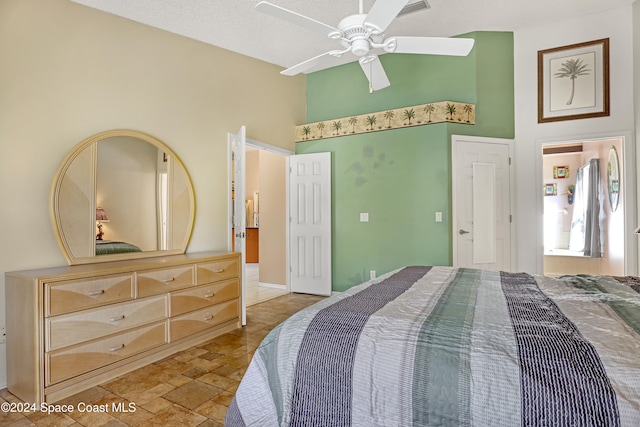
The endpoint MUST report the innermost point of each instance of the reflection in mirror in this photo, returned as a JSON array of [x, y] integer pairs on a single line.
[[129, 170], [134, 179]]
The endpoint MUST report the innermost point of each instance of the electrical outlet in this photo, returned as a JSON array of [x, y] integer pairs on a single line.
[[372, 274], [364, 217], [438, 216]]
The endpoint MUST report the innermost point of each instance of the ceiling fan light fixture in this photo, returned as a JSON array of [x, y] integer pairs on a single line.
[[360, 47]]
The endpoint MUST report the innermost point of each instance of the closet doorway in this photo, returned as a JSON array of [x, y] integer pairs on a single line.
[[265, 206], [583, 194]]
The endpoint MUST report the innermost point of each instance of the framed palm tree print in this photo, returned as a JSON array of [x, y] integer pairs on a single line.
[[573, 81]]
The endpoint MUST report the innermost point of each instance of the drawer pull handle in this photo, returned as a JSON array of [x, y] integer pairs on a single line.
[[169, 280], [116, 318], [116, 348], [209, 295], [208, 317], [95, 293], [221, 270]]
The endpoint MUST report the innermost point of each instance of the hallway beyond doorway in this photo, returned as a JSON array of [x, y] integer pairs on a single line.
[[257, 292]]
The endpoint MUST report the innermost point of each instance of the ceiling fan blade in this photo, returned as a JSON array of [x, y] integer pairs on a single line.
[[374, 71], [296, 18], [325, 60], [382, 13], [432, 45]]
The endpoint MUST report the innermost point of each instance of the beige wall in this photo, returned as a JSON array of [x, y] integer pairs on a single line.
[[69, 72], [273, 218], [266, 173]]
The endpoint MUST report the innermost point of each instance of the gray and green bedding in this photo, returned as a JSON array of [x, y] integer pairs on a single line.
[[107, 247], [432, 346]]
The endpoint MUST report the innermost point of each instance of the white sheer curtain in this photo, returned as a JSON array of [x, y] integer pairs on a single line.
[[586, 233]]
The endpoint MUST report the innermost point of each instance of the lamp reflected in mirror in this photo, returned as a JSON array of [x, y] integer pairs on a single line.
[[101, 216]]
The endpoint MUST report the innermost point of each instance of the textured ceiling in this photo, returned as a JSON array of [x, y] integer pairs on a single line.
[[235, 24]]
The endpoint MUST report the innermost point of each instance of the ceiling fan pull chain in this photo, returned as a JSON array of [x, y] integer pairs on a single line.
[[370, 76]]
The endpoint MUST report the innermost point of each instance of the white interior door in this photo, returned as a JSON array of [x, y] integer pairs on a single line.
[[482, 221], [310, 223], [238, 215]]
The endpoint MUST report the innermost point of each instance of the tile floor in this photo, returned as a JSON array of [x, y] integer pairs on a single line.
[[256, 293], [191, 388]]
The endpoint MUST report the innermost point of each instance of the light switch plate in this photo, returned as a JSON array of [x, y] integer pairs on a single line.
[[438, 216], [364, 217]]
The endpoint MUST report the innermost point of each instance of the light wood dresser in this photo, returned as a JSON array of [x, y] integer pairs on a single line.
[[70, 328]]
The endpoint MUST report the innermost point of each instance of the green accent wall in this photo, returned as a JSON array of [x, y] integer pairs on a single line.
[[402, 177]]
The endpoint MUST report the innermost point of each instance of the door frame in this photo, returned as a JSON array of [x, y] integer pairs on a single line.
[[237, 186], [630, 185], [454, 208]]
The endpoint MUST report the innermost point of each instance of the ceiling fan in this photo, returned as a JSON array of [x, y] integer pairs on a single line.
[[362, 35]]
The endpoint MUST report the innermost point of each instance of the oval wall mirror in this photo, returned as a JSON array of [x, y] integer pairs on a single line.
[[613, 178], [121, 194]]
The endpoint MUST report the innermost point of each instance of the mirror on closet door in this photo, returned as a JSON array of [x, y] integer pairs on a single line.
[[613, 178]]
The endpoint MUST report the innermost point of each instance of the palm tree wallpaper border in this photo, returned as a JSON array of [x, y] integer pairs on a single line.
[[573, 81], [416, 115]]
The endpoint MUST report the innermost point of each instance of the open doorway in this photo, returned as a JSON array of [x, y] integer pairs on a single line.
[[265, 205], [584, 204]]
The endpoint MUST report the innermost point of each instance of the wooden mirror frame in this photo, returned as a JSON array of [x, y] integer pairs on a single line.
[[73, 202]]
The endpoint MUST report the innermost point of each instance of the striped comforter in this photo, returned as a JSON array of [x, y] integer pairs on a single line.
[[432, 346]]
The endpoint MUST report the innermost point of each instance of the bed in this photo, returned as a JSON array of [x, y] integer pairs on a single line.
[[438, 346], [104, 247]]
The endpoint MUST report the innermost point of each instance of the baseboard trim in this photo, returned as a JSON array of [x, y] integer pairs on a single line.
[[272, 286]]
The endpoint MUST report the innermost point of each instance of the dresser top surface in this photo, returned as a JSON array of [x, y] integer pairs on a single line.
[[114, 267]]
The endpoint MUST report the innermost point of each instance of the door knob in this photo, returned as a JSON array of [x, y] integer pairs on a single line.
[[461, 231]]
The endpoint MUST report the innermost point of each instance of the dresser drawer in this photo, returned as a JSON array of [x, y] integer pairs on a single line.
[[203, 296], [154, 282], [70, 329], [68, 363], [217, 270], [200, 320], [75, 295]]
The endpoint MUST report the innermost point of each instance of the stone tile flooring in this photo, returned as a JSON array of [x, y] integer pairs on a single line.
[[190, 388]]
